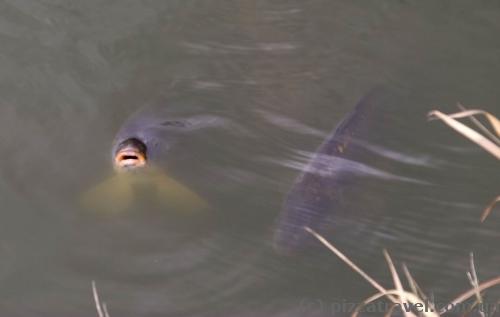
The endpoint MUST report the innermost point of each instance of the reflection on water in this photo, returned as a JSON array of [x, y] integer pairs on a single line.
[[278, 76]]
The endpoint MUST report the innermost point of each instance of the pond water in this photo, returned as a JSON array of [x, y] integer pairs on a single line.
[[280, 75]]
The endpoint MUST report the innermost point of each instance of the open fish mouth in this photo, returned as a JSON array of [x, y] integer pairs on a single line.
[[131, 154], [129, 159]]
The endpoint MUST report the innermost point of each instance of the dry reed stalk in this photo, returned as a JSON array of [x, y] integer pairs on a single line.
[[102, 309], [398, 294], [469, 133], [489, 208], [492, 145]]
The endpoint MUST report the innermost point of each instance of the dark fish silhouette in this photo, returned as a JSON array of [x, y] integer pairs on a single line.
[[317, 191]]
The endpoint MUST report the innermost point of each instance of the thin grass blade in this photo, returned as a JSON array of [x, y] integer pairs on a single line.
[[489, 208], [464, 296], [351, 264], [469, 133]]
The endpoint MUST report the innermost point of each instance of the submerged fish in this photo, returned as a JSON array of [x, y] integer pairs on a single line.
[[139, 157], [317, 191]]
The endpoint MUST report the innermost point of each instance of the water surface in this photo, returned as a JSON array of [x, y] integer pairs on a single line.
[[280, 75]]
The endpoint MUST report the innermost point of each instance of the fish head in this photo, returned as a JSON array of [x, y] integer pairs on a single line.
[[130, 154], [139, 157], [145, 140]]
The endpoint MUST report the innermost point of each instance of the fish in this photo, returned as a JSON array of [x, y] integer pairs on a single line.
[[317, 192], [139, 158]]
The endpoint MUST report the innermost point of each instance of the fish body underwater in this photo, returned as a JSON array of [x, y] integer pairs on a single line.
[[140, 156], [316, 194]]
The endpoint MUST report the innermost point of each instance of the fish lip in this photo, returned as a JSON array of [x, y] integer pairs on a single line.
[[128, 158]]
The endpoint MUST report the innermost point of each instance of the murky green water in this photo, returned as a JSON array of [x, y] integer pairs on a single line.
[[281, 75]]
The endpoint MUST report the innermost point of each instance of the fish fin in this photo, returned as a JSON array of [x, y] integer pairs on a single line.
[[114, 194]]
